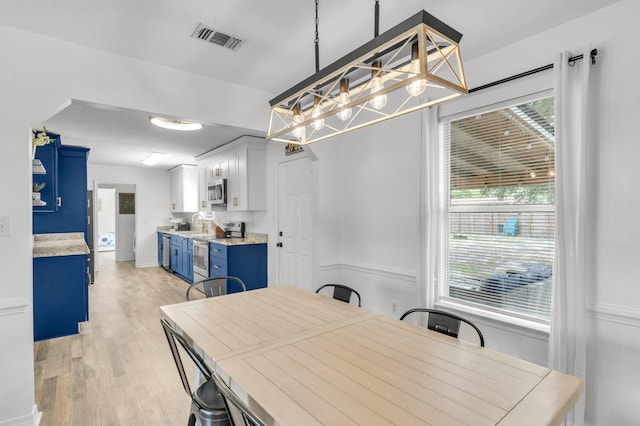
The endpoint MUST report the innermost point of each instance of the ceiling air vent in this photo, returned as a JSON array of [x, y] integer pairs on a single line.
[[205, 33]]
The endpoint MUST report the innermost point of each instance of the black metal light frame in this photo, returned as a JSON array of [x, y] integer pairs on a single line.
[[440, 65]]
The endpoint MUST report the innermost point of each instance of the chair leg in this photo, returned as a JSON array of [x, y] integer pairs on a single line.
[[192, 420]]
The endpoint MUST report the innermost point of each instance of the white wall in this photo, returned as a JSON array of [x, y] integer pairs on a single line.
[[30, 96], [151, 187], [378, 209], [106, 209]]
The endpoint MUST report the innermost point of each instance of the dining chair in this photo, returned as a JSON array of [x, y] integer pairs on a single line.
[[444, 322], [239, 413], [207, 404], [341, 292], [216, 286]]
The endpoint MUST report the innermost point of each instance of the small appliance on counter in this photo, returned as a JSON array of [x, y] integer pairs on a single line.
[[233, 229], [180, 224], [183, 227]]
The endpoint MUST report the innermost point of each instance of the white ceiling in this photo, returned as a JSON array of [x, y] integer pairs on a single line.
[[277, 54], [125, 137]]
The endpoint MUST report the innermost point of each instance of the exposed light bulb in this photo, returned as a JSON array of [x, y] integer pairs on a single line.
[[317, 124], [417, 87], [532, 174], [298, 131], [343, 98], [379, 101], [552, 172]]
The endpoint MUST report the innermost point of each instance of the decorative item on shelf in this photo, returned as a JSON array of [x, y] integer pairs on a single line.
[[39, 139], [35, 194], [292, 148], [414, 65]]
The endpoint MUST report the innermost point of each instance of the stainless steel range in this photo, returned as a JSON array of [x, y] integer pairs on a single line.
[[201, 250]]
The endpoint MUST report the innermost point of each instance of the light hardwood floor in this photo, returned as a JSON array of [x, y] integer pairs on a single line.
[[118, 370]]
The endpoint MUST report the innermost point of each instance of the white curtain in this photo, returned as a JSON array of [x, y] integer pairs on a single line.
[[430, 202], [575, 212]]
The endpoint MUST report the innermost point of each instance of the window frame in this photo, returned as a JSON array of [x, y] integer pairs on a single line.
[[445, 209]]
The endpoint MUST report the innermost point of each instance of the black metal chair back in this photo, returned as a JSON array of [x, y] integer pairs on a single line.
[[341, 292], [444, 322], [207, 404], [216, 286]]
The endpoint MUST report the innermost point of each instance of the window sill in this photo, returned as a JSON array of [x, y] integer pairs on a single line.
[[518, 325]]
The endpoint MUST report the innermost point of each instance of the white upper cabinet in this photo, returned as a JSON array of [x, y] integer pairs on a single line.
[[243, 163], [203, 180], [247, 187], [184, 189]]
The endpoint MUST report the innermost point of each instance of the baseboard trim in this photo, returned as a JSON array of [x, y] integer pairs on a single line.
[[615, 313], [13, 307], [32, 419], [394, 273]]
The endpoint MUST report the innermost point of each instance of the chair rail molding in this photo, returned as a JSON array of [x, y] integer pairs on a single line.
[[615, 313], [389, 272], [13, 306]]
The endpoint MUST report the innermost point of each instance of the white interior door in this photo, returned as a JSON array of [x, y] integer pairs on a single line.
[[295, 187]]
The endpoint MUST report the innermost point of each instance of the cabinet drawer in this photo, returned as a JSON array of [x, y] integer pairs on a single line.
[[218, 269], [218, 250]]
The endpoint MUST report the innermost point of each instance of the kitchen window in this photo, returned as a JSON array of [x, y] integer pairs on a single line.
[[499, 208]]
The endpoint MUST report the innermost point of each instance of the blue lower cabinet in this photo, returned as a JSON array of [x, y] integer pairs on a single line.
[[245, 261], [175, 258], [181, 259], [160, 248], [60, 295], [189, 260]]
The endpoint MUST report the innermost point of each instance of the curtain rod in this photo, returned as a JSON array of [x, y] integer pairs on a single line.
[[572, 60]]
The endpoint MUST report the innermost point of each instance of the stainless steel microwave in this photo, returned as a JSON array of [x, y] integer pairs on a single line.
[[217, 191]]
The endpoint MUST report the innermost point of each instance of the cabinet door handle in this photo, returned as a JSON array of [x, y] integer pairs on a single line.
[[59, 202], [279, 245], [216, 267]]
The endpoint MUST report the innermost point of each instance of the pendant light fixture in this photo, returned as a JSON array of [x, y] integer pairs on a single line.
[[411, 66]]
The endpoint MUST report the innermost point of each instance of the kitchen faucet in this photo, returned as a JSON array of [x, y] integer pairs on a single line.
[[201, 221]]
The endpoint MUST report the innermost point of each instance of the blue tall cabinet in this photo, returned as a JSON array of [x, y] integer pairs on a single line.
[[60, 284]]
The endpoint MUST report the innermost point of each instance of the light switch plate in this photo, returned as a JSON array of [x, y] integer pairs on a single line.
[[5, 226]]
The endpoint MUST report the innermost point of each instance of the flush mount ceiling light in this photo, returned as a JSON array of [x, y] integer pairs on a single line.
[[154, 158], [173, 124], [413, 65]]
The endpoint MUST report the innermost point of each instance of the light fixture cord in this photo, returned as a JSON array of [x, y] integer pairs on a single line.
[[376, 26], [317, 40]]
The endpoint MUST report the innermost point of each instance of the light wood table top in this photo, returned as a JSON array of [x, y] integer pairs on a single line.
[[298, 358]]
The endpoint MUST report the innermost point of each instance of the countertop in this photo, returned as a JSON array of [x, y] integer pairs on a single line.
[[250, 238], [66, 244]]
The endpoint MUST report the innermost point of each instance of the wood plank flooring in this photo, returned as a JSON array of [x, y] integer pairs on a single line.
[[118, 370]]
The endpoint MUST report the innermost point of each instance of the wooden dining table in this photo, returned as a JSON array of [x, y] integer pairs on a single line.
[[300, 358]]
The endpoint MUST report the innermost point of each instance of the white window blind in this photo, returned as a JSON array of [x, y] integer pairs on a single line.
[[500, 203]]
